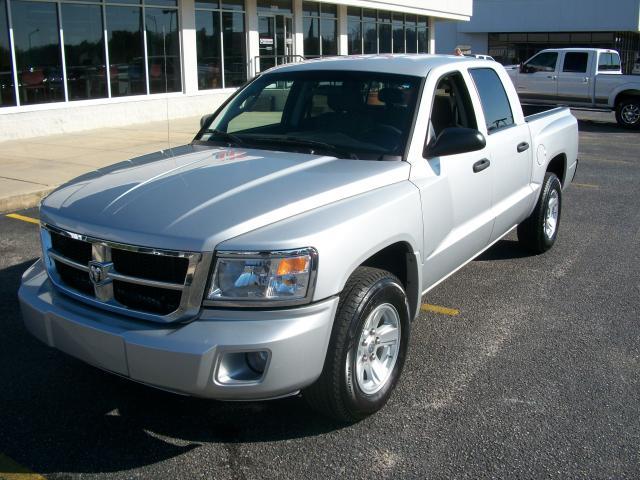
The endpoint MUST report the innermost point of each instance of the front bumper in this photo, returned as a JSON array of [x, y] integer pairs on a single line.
[[184, 358]]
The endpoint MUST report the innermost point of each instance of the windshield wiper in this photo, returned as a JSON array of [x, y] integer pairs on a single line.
[[228, 137], [313, 145]]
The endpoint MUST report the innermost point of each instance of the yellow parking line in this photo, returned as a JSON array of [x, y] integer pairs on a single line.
[[585, 185], [17, 216], [10, 470], [427, 307]]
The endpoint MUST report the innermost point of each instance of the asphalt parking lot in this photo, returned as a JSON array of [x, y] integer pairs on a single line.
[[533, 372]]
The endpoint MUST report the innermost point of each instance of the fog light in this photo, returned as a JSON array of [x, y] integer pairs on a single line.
[[257, 361]]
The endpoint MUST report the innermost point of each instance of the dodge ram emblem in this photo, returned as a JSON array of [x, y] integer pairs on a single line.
[[98, 272]]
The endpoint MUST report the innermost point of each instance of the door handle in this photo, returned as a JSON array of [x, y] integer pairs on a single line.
[[481, 165], [585, 80], [523, 147], [552, 77]]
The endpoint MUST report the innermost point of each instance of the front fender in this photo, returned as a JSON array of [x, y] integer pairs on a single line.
[[344, 233]]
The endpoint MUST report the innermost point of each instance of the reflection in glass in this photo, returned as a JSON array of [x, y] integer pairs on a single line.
[[37, 46], [84, 51], [208, 49], [384, 30], [163, 50], [398, 34], [423, 40], [412, 40], [126, 58], [310, 28], [355, 37], [235, 68], [370, 37], [7, 92], [329, 37]]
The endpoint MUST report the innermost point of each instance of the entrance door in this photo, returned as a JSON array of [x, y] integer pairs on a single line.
[[276, 40]]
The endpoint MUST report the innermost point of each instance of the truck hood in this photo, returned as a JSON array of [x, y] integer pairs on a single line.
[[194, 197]]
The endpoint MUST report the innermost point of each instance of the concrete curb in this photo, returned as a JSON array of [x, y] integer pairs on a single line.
[[23, 200]]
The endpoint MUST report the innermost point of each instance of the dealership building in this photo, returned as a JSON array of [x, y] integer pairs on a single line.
[[70, 65], [513, 30]]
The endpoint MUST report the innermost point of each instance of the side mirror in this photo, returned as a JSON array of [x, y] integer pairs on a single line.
[[453, 141], [205, 119]]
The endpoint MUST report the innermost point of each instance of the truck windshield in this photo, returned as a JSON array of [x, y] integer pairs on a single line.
[[345, 114]]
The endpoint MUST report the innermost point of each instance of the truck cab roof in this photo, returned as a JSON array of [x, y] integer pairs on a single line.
[[407, 64]]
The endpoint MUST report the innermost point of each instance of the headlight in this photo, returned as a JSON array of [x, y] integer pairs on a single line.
[[245, 279]]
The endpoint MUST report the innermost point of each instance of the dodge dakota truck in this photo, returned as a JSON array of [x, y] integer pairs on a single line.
[[580, 77], [286, 249]]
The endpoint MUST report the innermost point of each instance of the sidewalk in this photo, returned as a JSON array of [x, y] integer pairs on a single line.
[[31, 168]]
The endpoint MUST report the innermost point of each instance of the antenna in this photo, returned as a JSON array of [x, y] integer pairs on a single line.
[[166, 86]]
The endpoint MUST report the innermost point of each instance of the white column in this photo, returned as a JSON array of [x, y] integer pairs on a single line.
[[189, 57], [343, 30], [298, 35], [253, 40], [432, 35]]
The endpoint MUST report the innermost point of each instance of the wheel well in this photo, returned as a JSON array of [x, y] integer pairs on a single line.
[[399, 259], [558, 165], [626, 94]]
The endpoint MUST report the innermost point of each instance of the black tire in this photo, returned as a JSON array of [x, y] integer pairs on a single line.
[[531, 232], [628, 113], [337, 393]]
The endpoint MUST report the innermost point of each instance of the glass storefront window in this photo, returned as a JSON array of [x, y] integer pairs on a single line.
[[235, 50], [398, 33], [163, 50], [208, 49], [126, 51], [311, 33], [7, 90], [354, 31], [328, 27], [320, 29], [37, 45], [370, 37], [221, 48], [384, 31], [84, 51], [275, 6]]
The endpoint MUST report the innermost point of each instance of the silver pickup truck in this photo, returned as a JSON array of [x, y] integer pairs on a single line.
[[288, 247], [580, 77]]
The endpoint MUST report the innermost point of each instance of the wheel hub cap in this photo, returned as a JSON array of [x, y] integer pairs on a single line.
[[378, 348], [630, 114], [551, 215]]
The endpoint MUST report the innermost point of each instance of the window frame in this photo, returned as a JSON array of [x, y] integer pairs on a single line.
[[321, 16], [104, 5], [220, 11], [506, 96]]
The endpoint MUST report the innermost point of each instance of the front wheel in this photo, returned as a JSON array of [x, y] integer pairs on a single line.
[[367, 348], [538, 233], [628, 113]]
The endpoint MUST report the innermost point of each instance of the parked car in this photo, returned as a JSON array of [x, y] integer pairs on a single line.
[[288, 247], [480, 56], [580, 77]]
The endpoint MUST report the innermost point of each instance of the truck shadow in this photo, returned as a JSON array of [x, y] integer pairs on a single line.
[[60, 415], [597, 126], [504, 250]]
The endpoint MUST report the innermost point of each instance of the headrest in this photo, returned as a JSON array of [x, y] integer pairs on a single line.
[[391, 96]]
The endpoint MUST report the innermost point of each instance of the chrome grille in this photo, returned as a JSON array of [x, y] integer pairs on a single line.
[[159, 285]]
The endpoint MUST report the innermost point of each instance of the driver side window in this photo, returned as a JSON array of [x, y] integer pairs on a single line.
[[451, 106], [544, 62]]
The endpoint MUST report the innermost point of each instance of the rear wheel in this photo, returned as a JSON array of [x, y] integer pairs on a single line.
[[538, 233], [628, 113], [367, 348]]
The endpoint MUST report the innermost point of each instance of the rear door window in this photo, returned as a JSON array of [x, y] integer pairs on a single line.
[[575, 62], [495, 103]]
